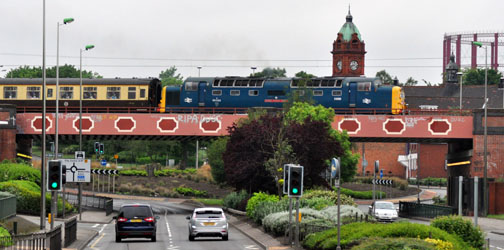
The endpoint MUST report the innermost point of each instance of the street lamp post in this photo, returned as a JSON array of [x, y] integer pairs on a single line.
[[460, 74], [65, 21], [88, 47], [485, 160], [253, 70], [43, 160], [199, 69]]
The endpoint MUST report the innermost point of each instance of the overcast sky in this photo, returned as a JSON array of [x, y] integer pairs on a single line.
[[139, 38]]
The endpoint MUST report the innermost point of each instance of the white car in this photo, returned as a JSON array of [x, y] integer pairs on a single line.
[[383, 211], [208, 222]]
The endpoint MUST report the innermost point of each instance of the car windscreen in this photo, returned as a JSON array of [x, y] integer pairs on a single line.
[[385, 206], [136, 212], [209, 214]]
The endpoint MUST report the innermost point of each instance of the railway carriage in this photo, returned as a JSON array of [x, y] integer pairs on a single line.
[[357, 94], [116, 92]]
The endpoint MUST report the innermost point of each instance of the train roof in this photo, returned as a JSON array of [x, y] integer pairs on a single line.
[[76, 81], [210, 79]]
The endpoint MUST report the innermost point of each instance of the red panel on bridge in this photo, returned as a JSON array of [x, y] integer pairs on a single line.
[[351, 125], [394, 126], [167, 124], [439, 127], [125, 124], [86, 123], [36, 123]]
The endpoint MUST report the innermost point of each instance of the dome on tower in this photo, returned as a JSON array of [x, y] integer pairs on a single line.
[[349, 28]]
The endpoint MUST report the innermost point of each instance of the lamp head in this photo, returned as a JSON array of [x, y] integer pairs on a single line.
[[479, 44], [460, 73], [88, 47], [68, 20]]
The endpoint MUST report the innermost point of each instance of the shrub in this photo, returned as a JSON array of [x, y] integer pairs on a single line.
[[331, 213], [461, 227], [175, 172], [256, 199], [4, 232], [14, 171], [395, 243], [187, 191], [234, 199], [205, 173], [333, 196], [440, 244], [211, 202], [366, 195], [277, 223], [396, 182], [355, 233], [430, 181], [133, 172]]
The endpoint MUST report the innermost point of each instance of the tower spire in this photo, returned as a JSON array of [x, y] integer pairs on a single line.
[[349, 16]]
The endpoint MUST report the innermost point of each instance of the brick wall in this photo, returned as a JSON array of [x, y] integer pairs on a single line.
[[496, 198], [7, 144], [495, 144], [386, 153], [432, 160]]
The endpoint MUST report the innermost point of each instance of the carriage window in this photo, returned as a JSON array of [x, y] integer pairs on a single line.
[[142, 93], [276, 92], [364, 86], [49, 93], [318, 93], [217, 92], [66, 92], [191, 86], [253, 92], [234, 92], [32, 92], [131, 92], [336, 92], [10, 92], [113, 92], [299, 92], [89, 93]]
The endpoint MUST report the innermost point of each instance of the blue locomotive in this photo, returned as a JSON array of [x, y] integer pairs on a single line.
[[355, 94]]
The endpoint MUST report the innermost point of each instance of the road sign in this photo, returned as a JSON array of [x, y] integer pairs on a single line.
[[104, 171], [116, 156], [382, 182], [80, 155], [381, 173], [335, 168], [364, 163], [77, 170], [103, 162]]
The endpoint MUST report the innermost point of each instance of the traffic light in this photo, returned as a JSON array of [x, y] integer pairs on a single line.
[[295, 181], [376, 166], [54, 176], [102, 148], [63, 174], [96, 147], [286, 178]]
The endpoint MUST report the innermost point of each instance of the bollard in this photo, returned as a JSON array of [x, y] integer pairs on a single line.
[[15, 227], [366, 218]]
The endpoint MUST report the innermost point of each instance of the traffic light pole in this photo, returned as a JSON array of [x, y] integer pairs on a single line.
[[290, 221], [54, 206], [297, 223]]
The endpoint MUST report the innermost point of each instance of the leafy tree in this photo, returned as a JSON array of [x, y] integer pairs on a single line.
[[215, 152], [65, 71], [270, 73], [410, 82], [477, 77], [305, 75], [385, 77], [170, 77]]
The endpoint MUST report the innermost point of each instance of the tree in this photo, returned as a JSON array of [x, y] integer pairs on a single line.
[[477, 77], [270, 73], [385, 77], [65, 71], [305, 75], [410, 82], [170, 77], [215, 152]]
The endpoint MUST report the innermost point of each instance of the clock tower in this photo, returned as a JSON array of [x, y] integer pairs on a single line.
[[348, 50]]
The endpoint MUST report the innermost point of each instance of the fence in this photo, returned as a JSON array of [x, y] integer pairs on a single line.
[[37, 241], [7, 206], [413, 209], [70, 231], [88, 201]]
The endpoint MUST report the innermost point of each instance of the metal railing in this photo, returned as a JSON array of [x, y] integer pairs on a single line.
[[88, 201], [109, 207], [413, 209], [70, 231], [36, 241], [7, 206]]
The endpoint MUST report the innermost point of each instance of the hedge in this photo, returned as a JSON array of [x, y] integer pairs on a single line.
[[332, 195], [4, 232], [365, 195], [396, 182], [356, 233], [256, 199], [132, 172], [173, 172], [235, 199], [430, 181], [16, 171], [461, 227], [187, 191], [395, 243], [28, 197]]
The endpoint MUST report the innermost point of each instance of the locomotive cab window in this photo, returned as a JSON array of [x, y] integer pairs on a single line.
[[364, 86], [191, 86], [66, 92], [10, 92], [113, 93], [234, 93], [32, 92], [318, 93], [142, 93], [216, 92], [131, 93], [89, 93], [253, 92]]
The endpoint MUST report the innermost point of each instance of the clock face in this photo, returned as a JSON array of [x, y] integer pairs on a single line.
[[339, 64], [354, 65]]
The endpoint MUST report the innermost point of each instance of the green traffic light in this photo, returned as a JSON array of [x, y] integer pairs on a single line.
[[294, 190], [54, 185]]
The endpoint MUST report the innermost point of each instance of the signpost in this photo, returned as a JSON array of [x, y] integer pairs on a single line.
[[77, 170], [103, 162], [336, 173]]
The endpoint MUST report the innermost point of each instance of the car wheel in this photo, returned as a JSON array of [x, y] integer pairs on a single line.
[[118, 238], [153, 238], [191, 238], [225, 237]]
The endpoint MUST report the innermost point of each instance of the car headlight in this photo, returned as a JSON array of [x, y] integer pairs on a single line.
[[193, 226]]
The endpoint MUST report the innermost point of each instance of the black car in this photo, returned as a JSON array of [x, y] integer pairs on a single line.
[[135, 221]]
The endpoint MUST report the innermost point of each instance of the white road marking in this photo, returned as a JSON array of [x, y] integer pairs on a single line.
[[496, 247], [251, 247], [93, 244], [95, 225]]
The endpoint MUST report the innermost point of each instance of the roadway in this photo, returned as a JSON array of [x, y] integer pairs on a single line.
[[172, 232]]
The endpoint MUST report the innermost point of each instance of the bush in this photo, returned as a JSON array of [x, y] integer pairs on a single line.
[[234, 200], [4, 232], [396, 182], [133, 172], [277, 223], [256, 199], [333, 196], [187, 191], [14, 171], [356, 233], [474, 236], [395, 243], [430, 181], [175, 172], [365, 195]]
